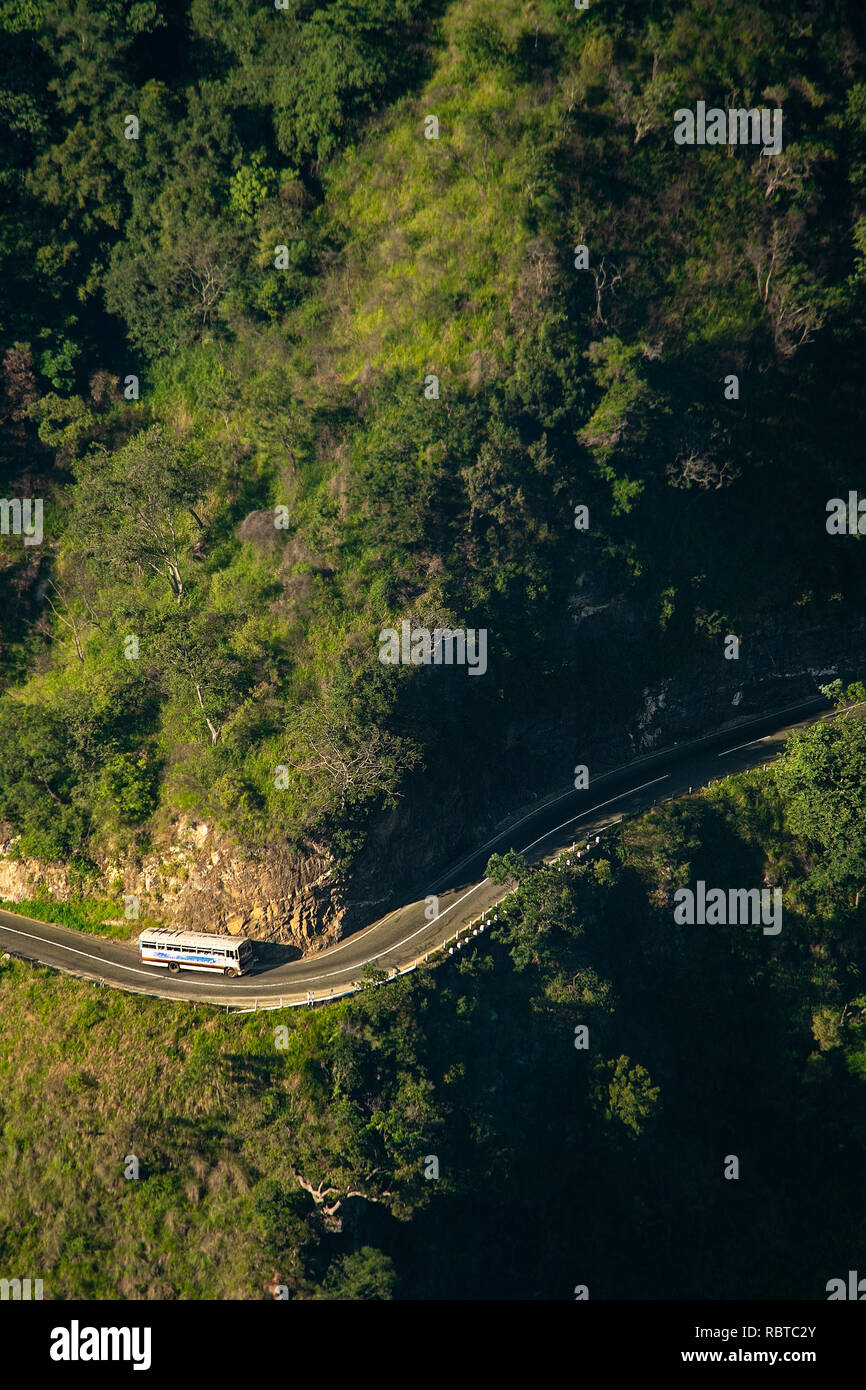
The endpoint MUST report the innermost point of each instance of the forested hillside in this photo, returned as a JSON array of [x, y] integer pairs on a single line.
[[320, 319], [234, 264], [295, 1147]]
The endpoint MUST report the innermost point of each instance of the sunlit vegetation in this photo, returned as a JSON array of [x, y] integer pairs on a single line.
[[303, 388], [293, 1147]]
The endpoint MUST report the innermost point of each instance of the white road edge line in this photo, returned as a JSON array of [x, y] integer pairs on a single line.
[[750, 744], [657, 753], [580, 815], [31, 936], [352, 940], [346, 969], [475, 887]]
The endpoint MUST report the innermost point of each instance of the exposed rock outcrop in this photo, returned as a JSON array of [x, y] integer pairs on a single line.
[[203, 883]]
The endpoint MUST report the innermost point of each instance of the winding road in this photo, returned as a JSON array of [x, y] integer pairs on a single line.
[[398, 941]]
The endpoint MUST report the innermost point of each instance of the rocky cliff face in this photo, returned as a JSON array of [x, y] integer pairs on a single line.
[[778, 665], [201, 882]]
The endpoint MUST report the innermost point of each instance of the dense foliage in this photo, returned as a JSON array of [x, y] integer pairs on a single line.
[[282, 260], [295, 1147]]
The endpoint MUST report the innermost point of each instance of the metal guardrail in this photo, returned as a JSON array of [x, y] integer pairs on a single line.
[[460, 937], [477, 926]]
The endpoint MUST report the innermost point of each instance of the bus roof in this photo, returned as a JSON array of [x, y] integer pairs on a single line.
[[170, 937]]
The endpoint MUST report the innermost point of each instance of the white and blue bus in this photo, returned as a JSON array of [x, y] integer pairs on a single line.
[[192, 950]]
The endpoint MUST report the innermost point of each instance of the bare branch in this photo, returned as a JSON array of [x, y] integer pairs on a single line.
[[214, 733]]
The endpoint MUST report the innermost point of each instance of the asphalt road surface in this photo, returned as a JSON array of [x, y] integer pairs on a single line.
[[398, 941]]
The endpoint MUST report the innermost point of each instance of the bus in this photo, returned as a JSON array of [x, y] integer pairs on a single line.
[[192, 950]]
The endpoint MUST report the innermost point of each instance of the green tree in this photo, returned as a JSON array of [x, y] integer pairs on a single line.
[[127, 787], [627, 1093], [251, 186], [64, 424], [191, 659], [41, 794], [822, 779], [345, 761], [365, 1274], [134, 510], [541, 922], [510, 867]]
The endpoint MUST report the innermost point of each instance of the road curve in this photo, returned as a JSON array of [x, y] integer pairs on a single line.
[[399, 940]]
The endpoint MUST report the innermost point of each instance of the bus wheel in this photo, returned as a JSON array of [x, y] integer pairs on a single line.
[[230, 971], [173, 968]]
